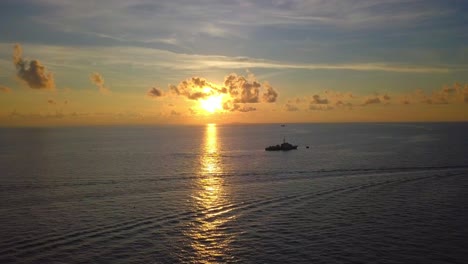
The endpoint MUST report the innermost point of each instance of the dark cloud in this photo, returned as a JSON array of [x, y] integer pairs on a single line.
[[154, 92], [246, 90], [4, 89], [372, 100], [196, 88], [317, 100], [33, 72], [246, 109], [241, 89], [270, 95], [98, 80], [435, 100]]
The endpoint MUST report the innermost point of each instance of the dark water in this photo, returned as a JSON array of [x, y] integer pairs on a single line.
[[362, 193]]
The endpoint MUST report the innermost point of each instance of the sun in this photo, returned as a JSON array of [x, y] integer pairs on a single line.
[[212, 103]]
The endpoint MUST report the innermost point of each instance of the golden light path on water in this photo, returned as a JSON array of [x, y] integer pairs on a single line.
[[209, 238]]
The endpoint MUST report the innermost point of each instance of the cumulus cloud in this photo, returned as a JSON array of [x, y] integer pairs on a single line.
[[4, 89], [237, 91], [98, 80], [154, 92], [196, 88], [246, 90], [33, 73], [317, 100], [241, 89], [270, 95]]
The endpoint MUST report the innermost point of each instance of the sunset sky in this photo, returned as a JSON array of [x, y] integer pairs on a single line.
[[66, 62]]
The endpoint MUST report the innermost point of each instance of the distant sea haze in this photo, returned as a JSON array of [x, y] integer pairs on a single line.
[[361, 193]]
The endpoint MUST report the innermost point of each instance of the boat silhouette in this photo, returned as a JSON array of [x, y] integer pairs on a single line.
[[285, 146]]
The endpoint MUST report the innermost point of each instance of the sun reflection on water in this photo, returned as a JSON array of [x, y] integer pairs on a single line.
[[209, 237]]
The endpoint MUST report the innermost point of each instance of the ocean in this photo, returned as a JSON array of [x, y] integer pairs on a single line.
[[361, 193]]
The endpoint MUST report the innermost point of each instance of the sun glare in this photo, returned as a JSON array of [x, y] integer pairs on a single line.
[[212, 104]]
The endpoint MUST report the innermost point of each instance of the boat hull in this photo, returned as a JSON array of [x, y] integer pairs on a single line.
[[279, 148]]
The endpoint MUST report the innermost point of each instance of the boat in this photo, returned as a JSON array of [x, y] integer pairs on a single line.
[[285, 146]]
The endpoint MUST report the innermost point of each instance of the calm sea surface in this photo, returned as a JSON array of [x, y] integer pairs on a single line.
[[362, 193]]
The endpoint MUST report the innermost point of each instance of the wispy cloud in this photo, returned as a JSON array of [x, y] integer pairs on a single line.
[[162, 59]]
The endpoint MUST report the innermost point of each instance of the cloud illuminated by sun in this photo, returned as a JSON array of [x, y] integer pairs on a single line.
[[212, 103]]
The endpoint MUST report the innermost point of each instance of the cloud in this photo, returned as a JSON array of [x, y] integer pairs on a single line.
[[377, 99], [167, 60], [33, 72], [446, 95], [241, 89], [51, 101], [4, 89], [56, 115], [340, 103], [246, 90], [154, 92], [270, 95], [371, 100], [236, 91], [98, 80], [175, 113], [246, 109], [316, 107], [317, 100], [291, 108], [196, 88], [231, 106]]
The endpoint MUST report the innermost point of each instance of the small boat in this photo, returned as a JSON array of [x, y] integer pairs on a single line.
[[285, 146]]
